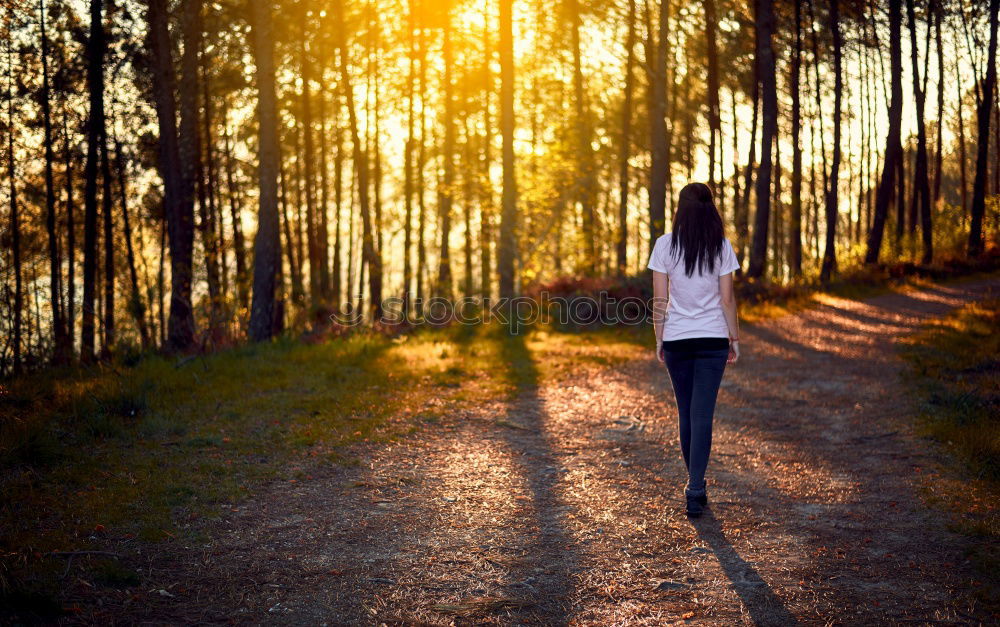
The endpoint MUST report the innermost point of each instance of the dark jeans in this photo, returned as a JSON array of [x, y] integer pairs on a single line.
[[696, 375]]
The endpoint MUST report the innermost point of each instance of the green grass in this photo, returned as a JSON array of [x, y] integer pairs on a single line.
[[954, 373]]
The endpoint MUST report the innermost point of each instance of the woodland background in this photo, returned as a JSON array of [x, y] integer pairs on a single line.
[[188, 174]]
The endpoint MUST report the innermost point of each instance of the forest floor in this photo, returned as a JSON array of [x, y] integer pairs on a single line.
[[555, 497]]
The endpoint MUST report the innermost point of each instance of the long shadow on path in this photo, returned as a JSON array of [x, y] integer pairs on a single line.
[[764, 606], [551, 560]]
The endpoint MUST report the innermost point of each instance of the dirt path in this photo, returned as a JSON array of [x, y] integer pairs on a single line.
[[569, 510]]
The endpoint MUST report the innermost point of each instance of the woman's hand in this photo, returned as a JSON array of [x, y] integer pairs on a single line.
[[734, 351], [660, 357]]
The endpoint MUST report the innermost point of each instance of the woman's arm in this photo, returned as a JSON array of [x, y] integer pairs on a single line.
[[660, 286], [728, 297]]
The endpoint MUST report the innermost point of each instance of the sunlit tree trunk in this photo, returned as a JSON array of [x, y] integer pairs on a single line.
[[267, 244], [830, 254], [70, 321], [714, 116], [893, 149], [585, 157], [136, 306], [621, 248], [795, 229], [507, 250], [95, 129], [408, 156], [178, 199], [361, 166], [188, 139], [939, 150], [769, 129], [239, 245], [207, 210], [656, 64], [486, 186], [15, 219], [982, 141], [60, 353], [446, 193], [921, 182], [308, 183]]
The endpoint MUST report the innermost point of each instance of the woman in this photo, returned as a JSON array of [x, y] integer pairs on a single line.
[[699, 333]]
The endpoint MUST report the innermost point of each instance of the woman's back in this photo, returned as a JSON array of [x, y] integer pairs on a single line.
[[694, 308]]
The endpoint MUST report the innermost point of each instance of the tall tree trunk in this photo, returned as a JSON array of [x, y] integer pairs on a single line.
[[893, 149], [960, 114], [830, 254], [467, 180], [621, 247], [507, 250], [421, 162], [239, 245], [15, 219], [188, 140], [208, 211], [312, 246], [656, 64], [267, 243], [795, 230], [769, 129], [983, 140], [743, 212], [446, 194], [338, 192], [486, 188], [939, 150], [136, 306], [70, 321], [408, 156], [585, 156], [369, 254], [95, 131], [178, 198], [714, 115], [921, 182], [60, 354], [108, 343]]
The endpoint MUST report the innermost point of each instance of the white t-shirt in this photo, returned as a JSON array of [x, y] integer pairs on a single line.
[[694, 307]]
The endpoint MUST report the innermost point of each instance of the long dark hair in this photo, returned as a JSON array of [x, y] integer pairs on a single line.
[[697, 229]]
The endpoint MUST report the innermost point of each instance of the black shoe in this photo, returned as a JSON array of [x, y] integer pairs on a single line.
[[701, 498], [694, 507]]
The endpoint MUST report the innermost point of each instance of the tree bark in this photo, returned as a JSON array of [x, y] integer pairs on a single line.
[[830, 253], [656, 64], [621, 245], [369, 254], [795, 229], [178, 200], [188, 140], [15, 219], [714, 115], [769, 129], [893, 148], [507, 249], [921, 182], [982, 149], [95, 130], [446, 194], [585, 156], [267, 243], [60, 353], [136, 306]]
